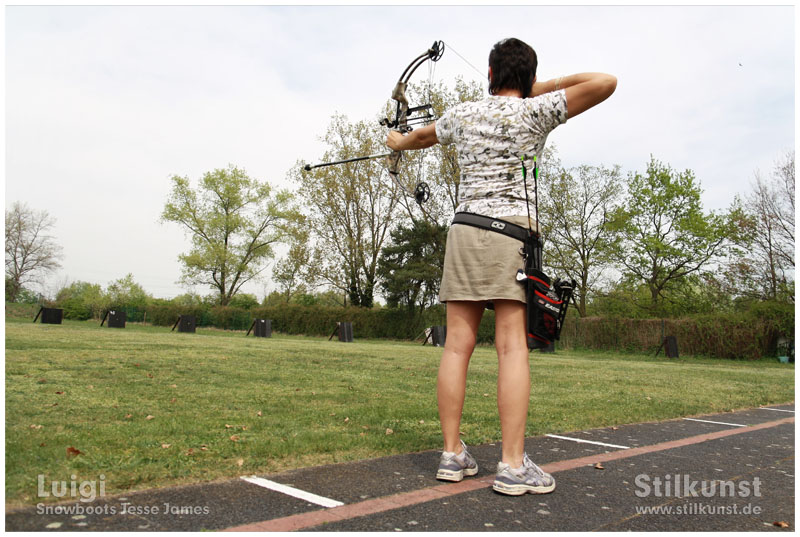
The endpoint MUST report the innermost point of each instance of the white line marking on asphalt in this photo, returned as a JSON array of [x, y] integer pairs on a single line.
[[775, 409], [291, 491], [718, 422], [581, 440]]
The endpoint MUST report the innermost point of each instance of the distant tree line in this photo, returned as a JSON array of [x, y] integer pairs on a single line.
[[638, 245], [645, 247]]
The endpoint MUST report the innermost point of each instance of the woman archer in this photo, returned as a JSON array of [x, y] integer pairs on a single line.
[[491, 137]]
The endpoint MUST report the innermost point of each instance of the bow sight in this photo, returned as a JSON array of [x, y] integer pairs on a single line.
[[404, 121]]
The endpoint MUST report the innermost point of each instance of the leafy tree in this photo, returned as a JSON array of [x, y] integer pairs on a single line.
[[189, 300], [576, 206], [698, 293], [126, 293], [233, 222], [323, 298], [326, 298], [411, 267], [244, 300], [30, 251], [274, 298], [664, 235], [24, 296], [82, 301], [624, 299], [305, 299]]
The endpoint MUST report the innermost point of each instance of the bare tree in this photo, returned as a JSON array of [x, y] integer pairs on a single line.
[[770, 206], [294, 274], [783, 207], [351, 208], [30, 251]]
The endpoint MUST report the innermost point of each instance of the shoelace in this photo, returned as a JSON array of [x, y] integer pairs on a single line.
[[531, 467]]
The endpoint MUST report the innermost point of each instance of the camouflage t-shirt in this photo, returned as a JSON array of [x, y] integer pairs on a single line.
[[491, 135]]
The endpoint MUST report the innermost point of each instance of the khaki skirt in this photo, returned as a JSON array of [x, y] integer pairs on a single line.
[[482, 265]]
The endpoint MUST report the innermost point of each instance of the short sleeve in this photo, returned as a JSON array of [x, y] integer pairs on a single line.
[[446, 128], [549, 110]]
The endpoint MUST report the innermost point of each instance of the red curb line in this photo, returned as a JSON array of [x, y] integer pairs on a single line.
[[632, 452], [386, 503]]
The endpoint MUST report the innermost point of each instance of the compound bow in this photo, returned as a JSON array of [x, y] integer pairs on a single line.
[[405, 118]]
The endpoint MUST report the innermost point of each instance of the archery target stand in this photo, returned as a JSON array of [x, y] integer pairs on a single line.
[[50, 315], [436, 335], [185, 323], [670, 346], [549, 348], [345, 331], [116, 319], [263, 328]]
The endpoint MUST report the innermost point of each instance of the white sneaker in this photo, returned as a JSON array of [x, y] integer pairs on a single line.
[[527, 478]]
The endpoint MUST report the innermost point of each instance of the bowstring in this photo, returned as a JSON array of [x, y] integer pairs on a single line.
[[482, 75], [431, 74]]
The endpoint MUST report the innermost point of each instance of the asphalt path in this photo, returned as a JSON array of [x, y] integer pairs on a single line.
[[731, 471]]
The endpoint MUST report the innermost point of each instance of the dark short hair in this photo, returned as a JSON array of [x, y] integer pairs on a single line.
[[513, 64]]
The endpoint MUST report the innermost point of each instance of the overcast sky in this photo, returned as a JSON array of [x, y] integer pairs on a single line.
[[104, 104]]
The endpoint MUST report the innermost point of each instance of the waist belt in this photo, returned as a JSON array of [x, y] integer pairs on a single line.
[[493, 224], [546, 301]]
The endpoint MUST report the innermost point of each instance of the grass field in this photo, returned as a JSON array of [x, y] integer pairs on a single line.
[[147, 407]]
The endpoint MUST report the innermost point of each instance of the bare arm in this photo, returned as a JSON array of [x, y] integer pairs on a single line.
[[417, 139], [584, 90]]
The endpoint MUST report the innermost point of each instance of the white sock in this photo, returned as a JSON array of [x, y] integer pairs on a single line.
[[461, 456], [516, 470]]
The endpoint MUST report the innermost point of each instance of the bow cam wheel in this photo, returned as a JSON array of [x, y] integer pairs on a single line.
[[422, 192]]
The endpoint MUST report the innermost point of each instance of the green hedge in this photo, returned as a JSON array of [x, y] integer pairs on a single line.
[[738, 336], [379, 323], [751, 334], [21, 311], [306, 320], [389, 323], [167, 314]]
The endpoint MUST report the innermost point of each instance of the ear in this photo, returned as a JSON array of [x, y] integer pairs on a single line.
[[490, 74]]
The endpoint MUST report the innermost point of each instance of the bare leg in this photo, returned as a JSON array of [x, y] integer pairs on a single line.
[[513, 378], [463, 319]]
